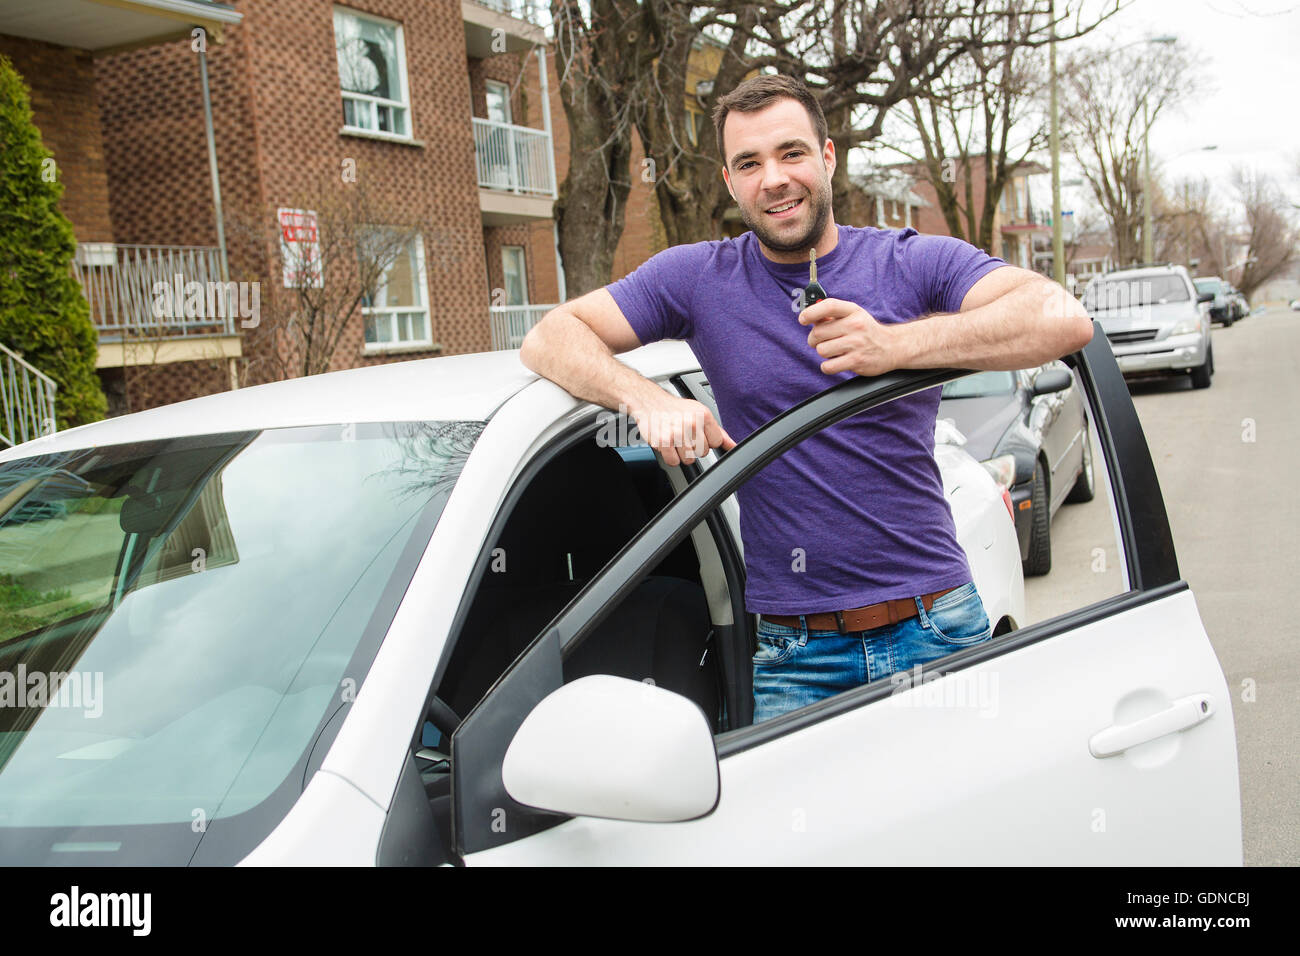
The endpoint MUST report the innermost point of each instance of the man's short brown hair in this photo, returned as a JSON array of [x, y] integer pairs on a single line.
[[760, 92]]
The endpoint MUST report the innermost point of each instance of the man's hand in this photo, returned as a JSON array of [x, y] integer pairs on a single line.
[[849, 338], [679, 429], [1011, 318]]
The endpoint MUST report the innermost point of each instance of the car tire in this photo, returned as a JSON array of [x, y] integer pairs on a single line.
[[1084, 488], [1201, 374], [1039, 561]]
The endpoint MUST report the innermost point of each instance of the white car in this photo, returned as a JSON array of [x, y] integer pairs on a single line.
[[415, 614]]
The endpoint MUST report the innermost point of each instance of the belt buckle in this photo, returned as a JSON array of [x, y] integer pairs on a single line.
[[839, 622]]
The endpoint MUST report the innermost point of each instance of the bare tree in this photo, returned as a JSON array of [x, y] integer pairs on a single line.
[[964, 125], [860, 57], [1110, 99], [975, 125], [603, 61], [1272, 236], [1192, 226], [361, 248]]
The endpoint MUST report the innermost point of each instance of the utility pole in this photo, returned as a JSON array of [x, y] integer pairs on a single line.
[[1148, 241], [1054, 141]]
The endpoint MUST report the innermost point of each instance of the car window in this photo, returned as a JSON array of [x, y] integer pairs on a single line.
[[1105, 295], [216, 588], [570, 518], [981, 385]]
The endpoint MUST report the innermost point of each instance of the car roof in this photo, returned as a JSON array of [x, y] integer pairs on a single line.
[[468, 387]]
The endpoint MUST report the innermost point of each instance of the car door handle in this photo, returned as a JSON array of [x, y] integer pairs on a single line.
[[1181, 714]]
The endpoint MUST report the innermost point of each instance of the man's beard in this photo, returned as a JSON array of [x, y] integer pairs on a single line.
[[820, 202]]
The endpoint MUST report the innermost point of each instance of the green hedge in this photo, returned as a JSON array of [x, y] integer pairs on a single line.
[[43, 314]]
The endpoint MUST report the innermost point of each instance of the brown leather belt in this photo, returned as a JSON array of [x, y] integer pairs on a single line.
[[860, 618]]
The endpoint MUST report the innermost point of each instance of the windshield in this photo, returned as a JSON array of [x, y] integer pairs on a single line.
[[981, 385], [179, 618], [1206, 285], [1110, 294]]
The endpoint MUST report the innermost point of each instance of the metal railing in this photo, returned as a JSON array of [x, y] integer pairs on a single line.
[[27, 398], [519, 9], [148, 290], [510, 323], [517, 159]]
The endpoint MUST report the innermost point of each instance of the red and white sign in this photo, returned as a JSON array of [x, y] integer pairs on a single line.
[[300, 248]]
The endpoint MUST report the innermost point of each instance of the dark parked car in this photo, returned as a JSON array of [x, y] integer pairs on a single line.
[[1029, 429], [1228, 305]]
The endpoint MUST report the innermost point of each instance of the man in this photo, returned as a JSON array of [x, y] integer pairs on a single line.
[[851, 553]]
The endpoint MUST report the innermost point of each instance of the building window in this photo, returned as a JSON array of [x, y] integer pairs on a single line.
[[512, 262], [372, 74], [498, 101], [694, 127], [398, 314]]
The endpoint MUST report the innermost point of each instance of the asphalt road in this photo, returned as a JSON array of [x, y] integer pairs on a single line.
[[1228, 461]]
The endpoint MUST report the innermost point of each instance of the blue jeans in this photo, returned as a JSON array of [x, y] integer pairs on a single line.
[[795, 667]]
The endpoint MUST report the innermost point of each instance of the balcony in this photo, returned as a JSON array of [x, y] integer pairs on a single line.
[[510, 323], [1033, 222], [158, 304], [516, 172], [501, 26], [26, 400]]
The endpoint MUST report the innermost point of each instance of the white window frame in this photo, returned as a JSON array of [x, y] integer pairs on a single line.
[[400, 107], [394, 314], [505, 89], [523, 274]]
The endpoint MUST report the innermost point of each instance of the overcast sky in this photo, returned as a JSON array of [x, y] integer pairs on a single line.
[[1250, 52]]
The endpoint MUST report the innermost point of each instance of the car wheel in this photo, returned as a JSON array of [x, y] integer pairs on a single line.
[[1201, 374], [1040, 527], [1083, 489]]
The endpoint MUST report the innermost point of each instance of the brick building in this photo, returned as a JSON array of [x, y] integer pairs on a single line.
[[1019, 228], [444, 109], [447, 111]]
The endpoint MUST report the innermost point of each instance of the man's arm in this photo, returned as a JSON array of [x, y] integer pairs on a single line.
[[1010, 319], [574, 346]]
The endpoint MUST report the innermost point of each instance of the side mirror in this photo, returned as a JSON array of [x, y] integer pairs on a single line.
[[605, 746], [1052, 380], [1204, 297]]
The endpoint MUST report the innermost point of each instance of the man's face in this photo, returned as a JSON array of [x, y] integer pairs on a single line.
[[772, 160]]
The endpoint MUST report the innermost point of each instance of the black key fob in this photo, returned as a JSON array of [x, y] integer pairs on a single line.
[[813, 294]]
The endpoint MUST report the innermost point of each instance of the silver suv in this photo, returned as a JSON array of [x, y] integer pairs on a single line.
[[1156, 321]]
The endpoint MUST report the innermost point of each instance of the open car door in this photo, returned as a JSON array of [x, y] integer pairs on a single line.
[[1100, 736]]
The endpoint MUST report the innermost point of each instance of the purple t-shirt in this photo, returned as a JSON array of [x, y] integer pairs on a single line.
[[855, 514]]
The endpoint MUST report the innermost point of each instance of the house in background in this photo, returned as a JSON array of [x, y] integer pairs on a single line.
[[1017, 222], [884, 199], [1087, 257]]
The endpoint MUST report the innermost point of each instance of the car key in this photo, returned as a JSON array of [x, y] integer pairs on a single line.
[[814, 293]]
